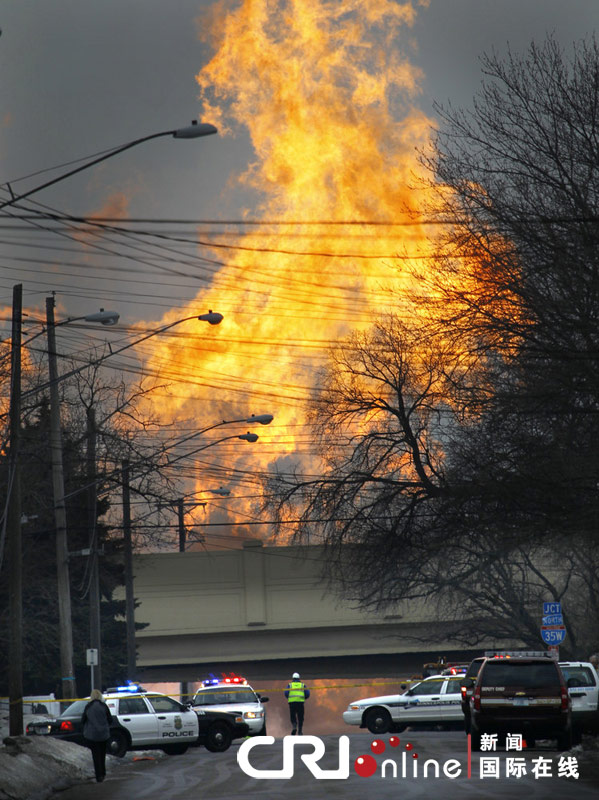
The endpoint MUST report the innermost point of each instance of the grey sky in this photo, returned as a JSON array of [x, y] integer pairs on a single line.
[[79, 76]]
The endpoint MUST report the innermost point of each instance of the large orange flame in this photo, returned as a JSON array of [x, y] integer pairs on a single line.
[[328, 95]]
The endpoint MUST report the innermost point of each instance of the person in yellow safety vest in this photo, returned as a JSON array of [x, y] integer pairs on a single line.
[[296, 693]]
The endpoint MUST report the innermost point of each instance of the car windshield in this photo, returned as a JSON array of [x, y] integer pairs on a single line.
[[578, 676], [523, 674], [75, 709], [474, 668], [220, 697]]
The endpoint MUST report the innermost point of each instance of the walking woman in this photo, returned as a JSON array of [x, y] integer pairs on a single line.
[[96, 731]]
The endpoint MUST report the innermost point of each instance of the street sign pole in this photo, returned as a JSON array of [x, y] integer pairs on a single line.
[[92, 659], [553, 630]]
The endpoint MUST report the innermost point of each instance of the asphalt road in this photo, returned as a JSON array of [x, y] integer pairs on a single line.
[[198, 774]]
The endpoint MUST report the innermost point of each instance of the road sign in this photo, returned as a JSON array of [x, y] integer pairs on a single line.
[[92, 657], [553, 619], [553, 634], [552, 608]]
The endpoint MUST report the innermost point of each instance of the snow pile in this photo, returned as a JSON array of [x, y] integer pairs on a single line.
[[34, 767]]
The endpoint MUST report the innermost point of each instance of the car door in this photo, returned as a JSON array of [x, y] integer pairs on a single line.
[[451, 710], [176, 723], [582, 687], [424, 701], [139, 719]]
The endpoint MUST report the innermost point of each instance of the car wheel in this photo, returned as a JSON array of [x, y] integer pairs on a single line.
[[474, 740], [175, 749], [218, 738], [396, 728], [117, 744], [378, 720], [564, 740]]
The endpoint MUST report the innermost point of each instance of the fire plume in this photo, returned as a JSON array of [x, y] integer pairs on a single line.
[[328, 95]]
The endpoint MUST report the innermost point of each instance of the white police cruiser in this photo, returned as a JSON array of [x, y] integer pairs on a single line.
[[434, 702], [148, 720], [233, 694], [582, 680]]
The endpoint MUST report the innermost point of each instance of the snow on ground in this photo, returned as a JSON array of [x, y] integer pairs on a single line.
[[35, 767]]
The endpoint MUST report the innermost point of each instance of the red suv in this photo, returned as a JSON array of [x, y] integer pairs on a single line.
[[521, 695]]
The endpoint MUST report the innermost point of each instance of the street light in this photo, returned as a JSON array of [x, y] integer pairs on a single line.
[[60, 518], [62, 554], [193, 131], [262, 419]]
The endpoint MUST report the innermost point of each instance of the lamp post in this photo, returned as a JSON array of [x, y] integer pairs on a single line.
[[13, 527], [193, 131], [60, 518], [62, 555], [262, 419]]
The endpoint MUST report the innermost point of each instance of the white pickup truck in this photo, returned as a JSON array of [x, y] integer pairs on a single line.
[[583, 687]]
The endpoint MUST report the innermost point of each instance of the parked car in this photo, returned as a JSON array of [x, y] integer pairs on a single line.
[[234, 695], [582, 680], [525, 695], [433, 702], [146, 720]]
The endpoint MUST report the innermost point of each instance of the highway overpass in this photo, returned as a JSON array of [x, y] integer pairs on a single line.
[[266, 611]]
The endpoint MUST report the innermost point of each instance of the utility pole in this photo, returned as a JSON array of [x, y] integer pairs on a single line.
[[181, 518], [129, 599], [15, 554], [68, 686], [95, 632]]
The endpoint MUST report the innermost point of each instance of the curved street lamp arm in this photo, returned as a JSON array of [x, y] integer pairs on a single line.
[[77, 370], [190, 132]]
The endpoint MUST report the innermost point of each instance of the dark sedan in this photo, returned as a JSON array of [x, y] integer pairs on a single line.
[[148, 720]]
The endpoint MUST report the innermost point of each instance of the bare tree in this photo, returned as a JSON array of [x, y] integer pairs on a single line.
[[459, 447]]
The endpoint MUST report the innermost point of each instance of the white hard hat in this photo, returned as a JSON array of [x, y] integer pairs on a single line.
[[295, 675]]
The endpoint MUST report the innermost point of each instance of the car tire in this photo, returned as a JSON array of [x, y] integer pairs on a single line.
[[175, 749], [378, 720], [397, 728], [118, 744], [218, 738], [564, 740]]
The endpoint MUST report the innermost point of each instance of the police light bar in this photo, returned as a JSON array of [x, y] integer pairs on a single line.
[[517, 654], [129, 687], [230, 679]]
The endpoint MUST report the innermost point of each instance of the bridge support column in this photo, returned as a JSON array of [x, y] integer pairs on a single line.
[[253, 576]]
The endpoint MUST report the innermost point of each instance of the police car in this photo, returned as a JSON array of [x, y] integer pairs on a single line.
[[233, 694], [434, 702], [583, 687], [147, 720]]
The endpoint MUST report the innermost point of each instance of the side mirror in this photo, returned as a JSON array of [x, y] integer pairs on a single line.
[[403, 686], [263, 699]]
